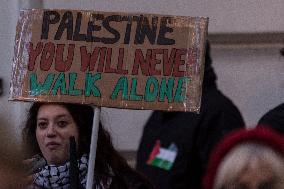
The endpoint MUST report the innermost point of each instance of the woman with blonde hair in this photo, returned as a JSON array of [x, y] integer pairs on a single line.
[[247, 159]]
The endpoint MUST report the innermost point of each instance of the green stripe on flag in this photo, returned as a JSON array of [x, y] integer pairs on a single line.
[[161, 163]]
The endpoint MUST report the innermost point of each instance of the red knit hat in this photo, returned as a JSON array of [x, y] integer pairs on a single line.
[[259, 134]]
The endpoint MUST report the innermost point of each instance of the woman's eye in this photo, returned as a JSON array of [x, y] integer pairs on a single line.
[[62, 123], [42, 125]]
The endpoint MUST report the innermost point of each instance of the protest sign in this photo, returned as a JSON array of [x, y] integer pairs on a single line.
[[122, 60]]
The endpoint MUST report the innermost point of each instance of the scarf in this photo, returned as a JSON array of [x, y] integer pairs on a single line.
[[57, 177]]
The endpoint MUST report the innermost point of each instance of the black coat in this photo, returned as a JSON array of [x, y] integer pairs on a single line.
[[130, 179], [193, 134], [274, 119]]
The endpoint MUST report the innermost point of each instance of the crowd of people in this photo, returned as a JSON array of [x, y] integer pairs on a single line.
[[178, 150], [245, 159], [241, 158]]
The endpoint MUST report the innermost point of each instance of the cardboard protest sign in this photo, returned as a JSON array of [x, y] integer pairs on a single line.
[[137, 61]]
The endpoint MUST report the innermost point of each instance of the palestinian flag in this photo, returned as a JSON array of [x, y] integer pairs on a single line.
[[162, 157]]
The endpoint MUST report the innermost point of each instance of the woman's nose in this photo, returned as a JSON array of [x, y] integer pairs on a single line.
[[50, 131]]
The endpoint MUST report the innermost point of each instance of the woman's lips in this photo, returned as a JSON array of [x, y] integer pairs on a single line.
[[52, 145]]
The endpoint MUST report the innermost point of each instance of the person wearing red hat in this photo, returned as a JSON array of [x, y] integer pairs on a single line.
[[247, 159]]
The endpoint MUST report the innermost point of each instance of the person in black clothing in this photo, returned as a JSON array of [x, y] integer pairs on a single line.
[[274, 119], [175, 146]]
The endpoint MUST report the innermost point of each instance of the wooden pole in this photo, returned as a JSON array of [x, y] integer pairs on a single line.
[[93, 148]]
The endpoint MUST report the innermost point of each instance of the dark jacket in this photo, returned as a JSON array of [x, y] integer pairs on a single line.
[[125, 177], [193, 135], [274, 119]]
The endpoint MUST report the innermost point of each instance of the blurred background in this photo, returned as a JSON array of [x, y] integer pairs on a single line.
[[246, 38]]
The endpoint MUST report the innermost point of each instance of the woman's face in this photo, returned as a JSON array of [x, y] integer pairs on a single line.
[[261, 177], [55, 126]]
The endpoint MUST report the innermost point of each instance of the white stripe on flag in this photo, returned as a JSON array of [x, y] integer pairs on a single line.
[[166, 154]]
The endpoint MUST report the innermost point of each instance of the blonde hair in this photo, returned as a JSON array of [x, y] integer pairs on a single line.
[[249, 154]]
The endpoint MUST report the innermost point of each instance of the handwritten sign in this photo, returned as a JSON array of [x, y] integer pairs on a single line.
[[137, 61]]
